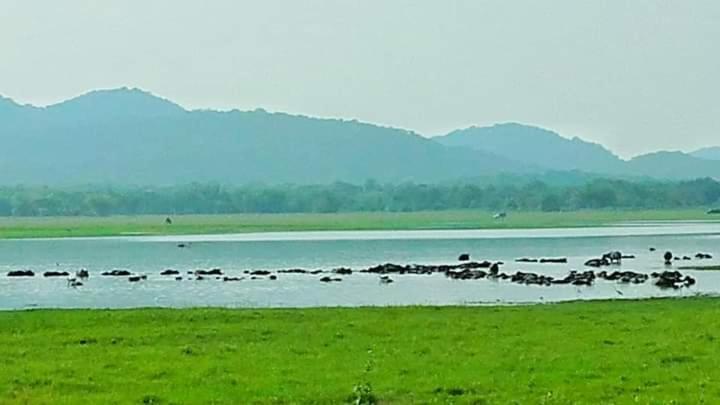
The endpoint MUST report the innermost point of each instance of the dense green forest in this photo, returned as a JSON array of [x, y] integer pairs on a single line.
[[344, 197]]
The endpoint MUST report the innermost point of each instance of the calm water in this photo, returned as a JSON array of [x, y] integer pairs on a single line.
[[327, 250]]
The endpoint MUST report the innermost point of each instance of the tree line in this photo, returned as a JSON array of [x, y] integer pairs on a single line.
[[345, 197]]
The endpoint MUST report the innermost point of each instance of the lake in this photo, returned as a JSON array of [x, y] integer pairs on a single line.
[[235, 254]]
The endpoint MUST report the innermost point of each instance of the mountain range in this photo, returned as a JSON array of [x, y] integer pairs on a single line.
[[711, 153], [129, 136]]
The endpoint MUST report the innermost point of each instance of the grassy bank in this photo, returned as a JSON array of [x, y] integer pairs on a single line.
[[214, 224], [596, 352]]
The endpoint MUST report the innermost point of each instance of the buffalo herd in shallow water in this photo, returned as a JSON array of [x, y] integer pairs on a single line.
[[466, 270]]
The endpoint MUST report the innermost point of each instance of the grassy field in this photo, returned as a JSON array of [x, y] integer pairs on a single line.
[[649, 352], [213, 224]]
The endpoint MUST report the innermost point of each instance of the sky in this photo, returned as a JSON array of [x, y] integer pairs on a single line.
[[637, 76]]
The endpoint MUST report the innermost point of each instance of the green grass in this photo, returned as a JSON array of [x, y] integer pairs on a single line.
[[649, 352], [217, 224]]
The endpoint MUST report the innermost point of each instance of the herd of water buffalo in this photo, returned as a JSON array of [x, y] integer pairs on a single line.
[[464, 270]]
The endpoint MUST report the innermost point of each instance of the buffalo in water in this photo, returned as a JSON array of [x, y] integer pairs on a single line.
[[74, 283], [613, 257], [668, 256], [597, 262], [21, 273], [56, 274], [213, 272], [672, 279], [117, 273]]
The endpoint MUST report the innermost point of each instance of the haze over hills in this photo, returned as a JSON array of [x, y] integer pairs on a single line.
[[547, 149], [537, 146], [711, 153], [128, 136]]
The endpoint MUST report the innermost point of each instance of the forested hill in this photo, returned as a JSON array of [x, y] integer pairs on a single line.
[[132, 137], [549, 150]]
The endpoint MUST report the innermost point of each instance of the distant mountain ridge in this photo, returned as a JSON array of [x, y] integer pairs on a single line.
[[129, 136], [547, 149], [537, 146], [711, 153]]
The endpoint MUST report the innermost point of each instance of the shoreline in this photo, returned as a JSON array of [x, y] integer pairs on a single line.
[[153, 225], [467, 305]]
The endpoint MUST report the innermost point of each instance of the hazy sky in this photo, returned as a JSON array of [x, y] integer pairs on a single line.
[[635, 75]]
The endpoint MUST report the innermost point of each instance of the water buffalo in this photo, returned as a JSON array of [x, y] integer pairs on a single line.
[[597, 262], [117, 273], [668, 256], [213, 272], [385, 280], [56, 274], [21, 273], [613, 257], [554, 260]]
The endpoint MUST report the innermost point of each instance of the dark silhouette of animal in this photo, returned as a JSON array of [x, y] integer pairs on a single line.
[[613, 257], [21, 273], [117, 273], [168, 221], [464, 257], [56, 274], [74, 283], [213, 272], [668, 256], [82, 274], [672, 279], [597, 262], [554, 260]]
